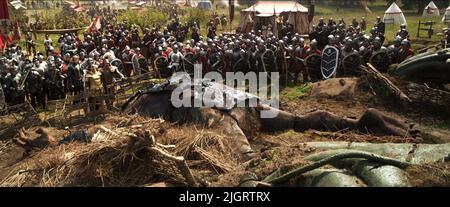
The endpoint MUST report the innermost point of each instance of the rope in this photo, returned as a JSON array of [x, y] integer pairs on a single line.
[[345, 155]]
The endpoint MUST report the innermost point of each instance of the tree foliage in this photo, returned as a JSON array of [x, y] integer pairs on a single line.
[[63, 19], [18, 15], [191, 15], [146, 18]]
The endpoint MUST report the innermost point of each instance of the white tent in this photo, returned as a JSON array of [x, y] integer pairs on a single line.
[[17, 4], [292, 11], [394, 14], [431, 10], [446, 17]]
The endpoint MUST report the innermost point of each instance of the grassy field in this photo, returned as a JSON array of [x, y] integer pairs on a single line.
[[326, 12]]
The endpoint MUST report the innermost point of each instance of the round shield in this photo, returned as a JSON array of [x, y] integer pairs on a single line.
[[162, 66], [240, 66], [135, 63], [351, 63], [218, 66], [118, 63], [143, 65], [312, 63], [380, 60], [188, 63], [269, 61]]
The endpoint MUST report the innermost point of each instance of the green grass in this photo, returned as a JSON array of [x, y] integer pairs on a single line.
[[295, 92]]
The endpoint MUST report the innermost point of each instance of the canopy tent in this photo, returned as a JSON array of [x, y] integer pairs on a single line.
[[17, 5], [293, 12], [431, 10], [446, 17], [269, 7], [394, 14]]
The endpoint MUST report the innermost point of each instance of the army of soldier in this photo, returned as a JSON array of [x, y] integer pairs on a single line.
[[40, 80], [79, 63]]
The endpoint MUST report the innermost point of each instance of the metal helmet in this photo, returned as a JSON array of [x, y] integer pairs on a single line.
[[398, 39], [330, 37], [405, 42], [348, 42]]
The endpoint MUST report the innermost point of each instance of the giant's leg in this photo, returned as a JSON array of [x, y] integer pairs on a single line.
[[372, 121]]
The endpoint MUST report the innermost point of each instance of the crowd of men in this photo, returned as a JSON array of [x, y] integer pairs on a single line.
[[84, 63]]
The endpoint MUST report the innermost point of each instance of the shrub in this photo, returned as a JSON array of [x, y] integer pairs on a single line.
[[145, 18], [63, 19], [192, 15]]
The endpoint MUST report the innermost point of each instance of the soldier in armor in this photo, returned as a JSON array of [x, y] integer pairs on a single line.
[[365, 49], [313, 49], [215, 57], [75, 76], [89, 44], [405, 51], [257, 56], [334, 41], [135, 39], [447, 38], [347, 49], [355, 23], [203, 58], [314, 73], [127, 56], [109, 76], [195, 35], [14, 94], [94, 85], [54, 82], [377, 45], [211, 31], [175, 58], [321, 24], [394, 50], [380, 26], [47, 44], [34, 87], [363, 24], [147, 41], [342, 22], [68, 46], [281, 62], [31, 46], [331, 24], [299, 56], [234, 55], [403, 33]]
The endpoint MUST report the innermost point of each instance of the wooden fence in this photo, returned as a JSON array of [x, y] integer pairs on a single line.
[[63, 107]]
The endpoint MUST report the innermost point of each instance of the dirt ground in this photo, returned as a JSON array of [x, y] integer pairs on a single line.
[[206, 151]]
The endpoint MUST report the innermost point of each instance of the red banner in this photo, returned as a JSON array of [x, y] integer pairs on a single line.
[[4, 14], [1, 41], [95, 25]]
